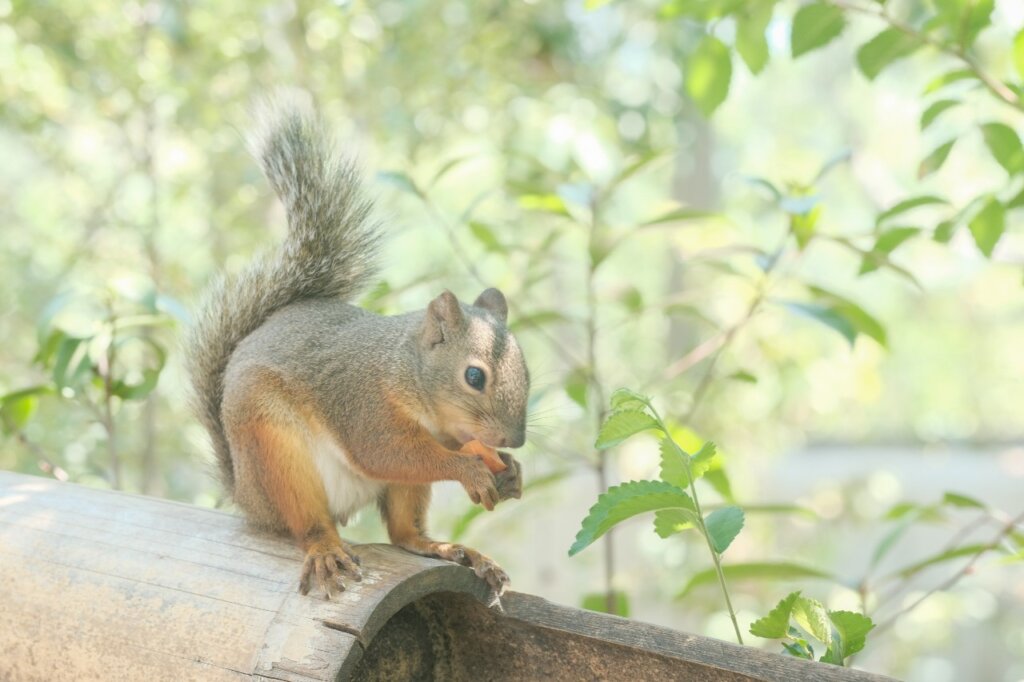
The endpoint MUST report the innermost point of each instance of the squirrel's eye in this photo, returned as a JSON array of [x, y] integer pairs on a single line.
[[475, 378]]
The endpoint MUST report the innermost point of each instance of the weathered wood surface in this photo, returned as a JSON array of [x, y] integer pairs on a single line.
[[97, 585]]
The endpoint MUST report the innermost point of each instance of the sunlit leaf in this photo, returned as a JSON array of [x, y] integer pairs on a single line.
[[814, 26], [622, 425], [708, 72], [751, 41], [851, 630], [1005, 146], [625, 501], [884, 49], [1018, 52], [909, 205], [935, 159], [668, 522], [934, 110], [810, 614], [988, 225], [775, 625]]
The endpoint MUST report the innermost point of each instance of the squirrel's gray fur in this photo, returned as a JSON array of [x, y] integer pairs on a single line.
[[330, 250]]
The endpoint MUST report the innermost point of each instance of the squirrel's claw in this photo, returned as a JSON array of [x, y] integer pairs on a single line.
[[509, 481], [326, 567]]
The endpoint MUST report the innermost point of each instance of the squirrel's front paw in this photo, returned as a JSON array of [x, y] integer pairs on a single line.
[[326, 564], [479, 483], [509, 481]]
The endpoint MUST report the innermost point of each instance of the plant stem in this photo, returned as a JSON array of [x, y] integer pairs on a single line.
[[956, 577], [598, 395], [994, 85]]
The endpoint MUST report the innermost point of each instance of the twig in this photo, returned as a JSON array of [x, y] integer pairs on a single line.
[[995, 86], [955, 577]]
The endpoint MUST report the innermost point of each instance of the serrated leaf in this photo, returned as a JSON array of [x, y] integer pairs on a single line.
[[908, 205], [962, 501], [884, 49], [668, 522], [775, 625], [762, 570], [988, 225], [814, 26], [624, 501], [942, 557], [934, 110], [627, 399], [1004, 144], [810, 614], [622, 425], [673, 466], [935, 159], [708, 73], [723, 526], [851, 630], [751, 42]]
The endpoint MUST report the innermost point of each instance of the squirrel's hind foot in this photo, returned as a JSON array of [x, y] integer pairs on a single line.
[[326, 565]]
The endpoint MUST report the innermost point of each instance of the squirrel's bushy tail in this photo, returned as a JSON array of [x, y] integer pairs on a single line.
[[329, 251]]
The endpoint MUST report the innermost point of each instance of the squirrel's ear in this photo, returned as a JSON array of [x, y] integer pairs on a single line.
[[494, 301], [443, 316]]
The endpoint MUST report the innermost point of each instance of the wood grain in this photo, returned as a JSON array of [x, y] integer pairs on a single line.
[[99, 585]]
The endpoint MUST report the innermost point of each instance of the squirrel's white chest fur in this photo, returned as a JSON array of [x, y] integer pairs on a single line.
[[347, 490]]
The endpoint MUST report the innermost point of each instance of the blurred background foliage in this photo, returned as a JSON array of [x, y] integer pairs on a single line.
[[795, 225]]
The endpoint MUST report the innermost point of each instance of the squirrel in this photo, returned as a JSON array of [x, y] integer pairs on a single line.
[[316, 407]]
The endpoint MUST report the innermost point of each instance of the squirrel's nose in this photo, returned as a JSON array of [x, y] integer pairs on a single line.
[[515, 441]]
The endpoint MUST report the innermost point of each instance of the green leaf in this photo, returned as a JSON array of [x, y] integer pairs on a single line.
[[1018, 53], [962, 501], [861, 320], [826, 315], [908, 205], [776, 624], [889, 540], [673, 464], [884, 49], [945, 79], [625, 501], [627, 399], [810, 614], [942, 557], [814, 26], [547, 203], [764, 570], [851, 630], [668, 522], [576, 384], [751, 42], [537, 319], [944, 231], [886, 243], [744, 376], [708, 73], [597, 601], [723, 526], [934, 110], [622, 425], [803, 225], [1004, 144], [935, 159], [17, 407], [675, 216], [485, 235], [401, 181], [988, 226]]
